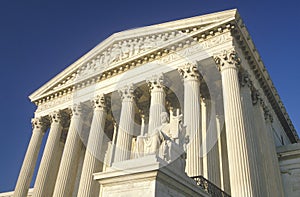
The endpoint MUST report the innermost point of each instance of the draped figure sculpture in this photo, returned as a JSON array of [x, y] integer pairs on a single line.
[[167, 141]]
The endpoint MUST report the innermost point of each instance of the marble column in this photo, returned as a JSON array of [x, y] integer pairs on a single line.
[[126, 125], [112, 147], [39, 127], [68, 167], [263, 120], [242, 173], [203, 147], [252, 135], [212, 147], [192, 117], [88, 187], [46, 176], [158, 101], [79, 167], [222, 144]]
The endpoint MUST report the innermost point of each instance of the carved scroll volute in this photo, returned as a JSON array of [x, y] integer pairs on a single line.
[[255, 96], [99, 102], [189, 71], [59, 117], [127, 93], [156, 82], [244, 79], [227, 59], [257, 100], [40, 123], [77, 109]]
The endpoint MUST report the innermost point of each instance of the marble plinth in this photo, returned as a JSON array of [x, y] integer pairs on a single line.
[[148, 176]]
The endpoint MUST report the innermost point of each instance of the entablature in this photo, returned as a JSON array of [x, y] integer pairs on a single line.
[[207, 37], [245, 43], [160, 43]]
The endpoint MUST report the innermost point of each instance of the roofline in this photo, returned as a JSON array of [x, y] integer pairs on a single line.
[[128, 34], [254, 60]]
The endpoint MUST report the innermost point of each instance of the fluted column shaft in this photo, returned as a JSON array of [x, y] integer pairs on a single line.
[[241, 173], [222, 143], [252, 134], [203, 137], [192, 117], [126, 126], [267, 146], [274, 169], [157, 103], [68, 167], [27, 169], [88, 187], [212, 147], [46, 176]]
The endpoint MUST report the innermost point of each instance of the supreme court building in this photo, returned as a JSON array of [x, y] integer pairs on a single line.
[[183, 108]]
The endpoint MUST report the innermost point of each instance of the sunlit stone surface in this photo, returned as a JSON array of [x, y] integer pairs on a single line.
[[155, 111]]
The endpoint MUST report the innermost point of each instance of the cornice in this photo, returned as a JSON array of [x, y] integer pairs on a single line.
[[185, 26], [196, 36], [194, 30], [288, 151], [256, 64]]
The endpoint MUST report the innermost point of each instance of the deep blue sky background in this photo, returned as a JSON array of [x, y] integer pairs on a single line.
[[38, 39]]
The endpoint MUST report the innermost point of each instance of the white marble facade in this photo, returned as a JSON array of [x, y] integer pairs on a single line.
[[193, 92]]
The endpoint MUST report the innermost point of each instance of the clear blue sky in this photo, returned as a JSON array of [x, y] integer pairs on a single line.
[[38, 39]]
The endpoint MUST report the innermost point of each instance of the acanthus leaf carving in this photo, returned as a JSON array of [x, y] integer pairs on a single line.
[[189, 71], [127, 93], [244, 79], [40, 123], [58, 117], [226, 59], [156, 82], [99, 102]]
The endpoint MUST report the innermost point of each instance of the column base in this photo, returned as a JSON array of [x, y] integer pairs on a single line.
[[148, 176]]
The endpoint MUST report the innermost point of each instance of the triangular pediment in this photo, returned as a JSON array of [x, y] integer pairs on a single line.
[[128, 45]]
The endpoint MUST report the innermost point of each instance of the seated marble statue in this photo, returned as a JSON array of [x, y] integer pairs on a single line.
[[167, 140]]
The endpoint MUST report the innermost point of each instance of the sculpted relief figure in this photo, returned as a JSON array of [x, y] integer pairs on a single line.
[[153, 142], [123, 50], [168, 141]]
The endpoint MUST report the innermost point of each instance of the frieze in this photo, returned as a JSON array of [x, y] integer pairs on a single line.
[[54, 102], [189, 45], [123, 50], [120, 51], [209, 43]]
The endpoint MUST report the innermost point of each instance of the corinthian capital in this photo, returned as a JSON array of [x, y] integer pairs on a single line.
[[58, 117], [244, 79], [255, 95], [77, 109], [99, 102], [127, 93], [267, 114], [189, 71], [227, 59], [40, 123], [156, 82]]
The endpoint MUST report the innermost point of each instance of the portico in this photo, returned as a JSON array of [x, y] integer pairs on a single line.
[[197, 71]]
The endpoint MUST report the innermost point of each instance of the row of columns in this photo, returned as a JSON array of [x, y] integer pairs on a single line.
[[58, 169], [49, 165], [241, 138], [252, 158]]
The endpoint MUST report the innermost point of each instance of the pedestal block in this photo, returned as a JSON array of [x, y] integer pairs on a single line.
[[148, 176]]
